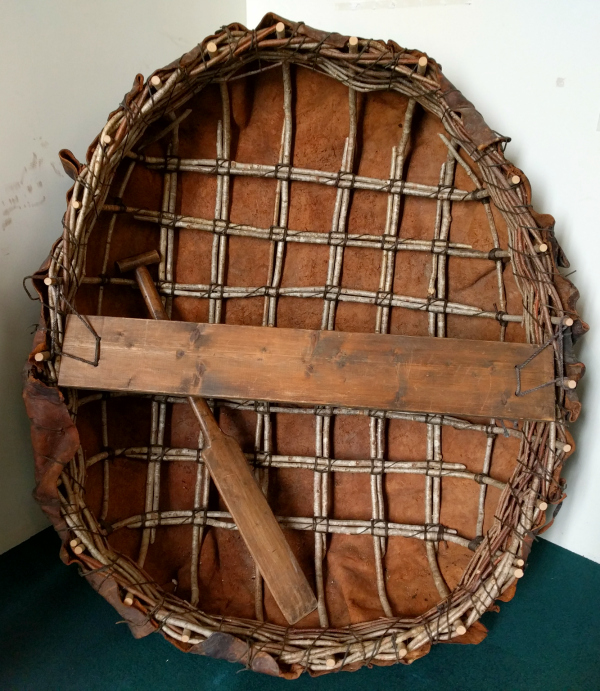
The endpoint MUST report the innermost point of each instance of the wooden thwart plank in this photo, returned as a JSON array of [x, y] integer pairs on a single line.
[[377, 371]]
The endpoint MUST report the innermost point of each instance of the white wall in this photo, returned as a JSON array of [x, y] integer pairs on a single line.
[[508, 56], [65, 65]]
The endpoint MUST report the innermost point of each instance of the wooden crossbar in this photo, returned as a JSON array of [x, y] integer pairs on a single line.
[[376, 371]]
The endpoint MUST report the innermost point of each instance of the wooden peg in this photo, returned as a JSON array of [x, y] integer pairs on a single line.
[[353, 44], [280, 30], [515, 179], [422, 65], [186, 635], [568, 321], [402, 650], [330, 662], [518, 573], [76, 204], [42, 356], [51, 281], [566, 447], [128, 600], [77, 545], [542, 505], [106, 139], [570, 383], [541, 248], [212, 49], [460, 628], [155, 81], [520, 562]]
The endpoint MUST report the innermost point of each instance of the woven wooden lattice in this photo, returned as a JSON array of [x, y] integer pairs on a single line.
[[155, 111]]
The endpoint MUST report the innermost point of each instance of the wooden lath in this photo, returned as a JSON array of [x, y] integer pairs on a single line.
[[374, 371]]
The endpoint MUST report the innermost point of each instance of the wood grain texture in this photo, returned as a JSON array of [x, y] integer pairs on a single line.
[[150, 294], [377, 371], [254, 518]]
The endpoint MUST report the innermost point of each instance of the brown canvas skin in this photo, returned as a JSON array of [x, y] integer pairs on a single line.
[[227, 575]]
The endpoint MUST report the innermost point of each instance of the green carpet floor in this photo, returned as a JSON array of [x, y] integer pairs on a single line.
[[56, 633]]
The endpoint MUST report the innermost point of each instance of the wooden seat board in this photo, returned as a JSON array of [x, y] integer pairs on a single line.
[[375, 371]]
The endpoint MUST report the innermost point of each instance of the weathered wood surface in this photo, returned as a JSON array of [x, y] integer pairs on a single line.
[[377, 371], [254, 518]]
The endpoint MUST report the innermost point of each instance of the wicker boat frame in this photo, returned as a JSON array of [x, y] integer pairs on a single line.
[[548, 318]]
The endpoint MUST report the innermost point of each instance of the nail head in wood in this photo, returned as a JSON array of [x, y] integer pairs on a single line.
[[519, 573], [515, 179], [155, 81], [280, 30], [212, 49], [42, 356]]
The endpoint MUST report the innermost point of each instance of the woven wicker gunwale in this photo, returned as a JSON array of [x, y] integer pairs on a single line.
[[145, 133]]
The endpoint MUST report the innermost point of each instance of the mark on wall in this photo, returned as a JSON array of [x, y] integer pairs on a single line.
[[179, 41], [26, 192], [560, 81], [14, 204]]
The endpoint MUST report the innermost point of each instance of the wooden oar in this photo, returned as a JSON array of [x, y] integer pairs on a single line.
[[332, 368], [236, 484]]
